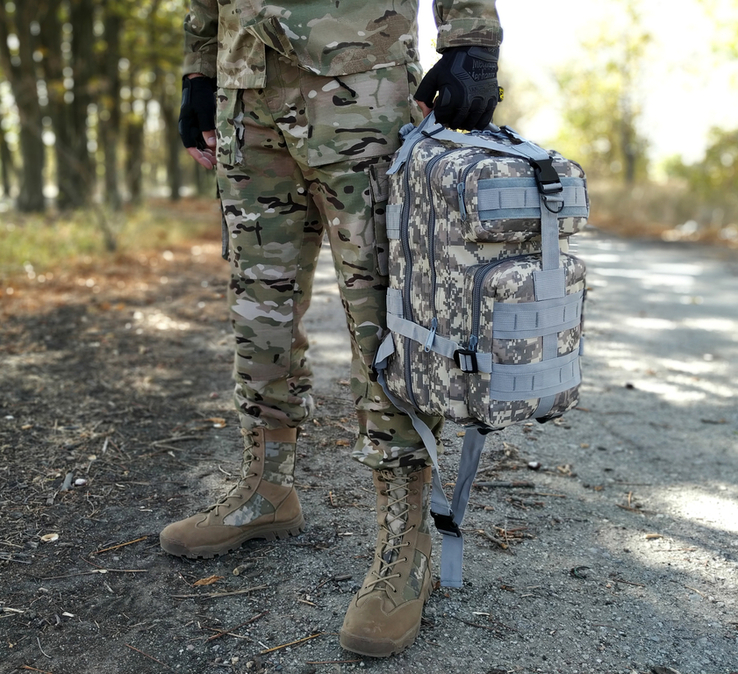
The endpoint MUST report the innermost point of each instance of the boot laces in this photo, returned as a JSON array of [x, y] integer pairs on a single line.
[[247, 460], [393, 532]]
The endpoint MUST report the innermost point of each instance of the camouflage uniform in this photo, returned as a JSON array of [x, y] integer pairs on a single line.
[[309, 109]]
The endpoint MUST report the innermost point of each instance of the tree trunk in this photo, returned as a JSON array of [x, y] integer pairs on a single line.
[[173, 145], [6, 161], [50, 20], [22, 76], [110, 117], [83, 65], [134, 156]]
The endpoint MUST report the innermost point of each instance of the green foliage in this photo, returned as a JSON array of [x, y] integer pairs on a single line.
[[601, 96], [714, 178]]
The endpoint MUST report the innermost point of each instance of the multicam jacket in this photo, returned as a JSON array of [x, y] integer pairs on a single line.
[[227, 38]]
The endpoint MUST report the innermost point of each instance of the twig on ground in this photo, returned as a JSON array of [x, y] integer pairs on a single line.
[[216, 595], [175, 438], [694, 589], [292, 643], [8, 557], [120, 545], [248, 622], [38, 641], [34, 669], [229, 634], [493, 539], [151, 657]]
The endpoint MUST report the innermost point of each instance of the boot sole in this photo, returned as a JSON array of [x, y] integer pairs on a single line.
[[269, 533], [382, 648], [377, 649]]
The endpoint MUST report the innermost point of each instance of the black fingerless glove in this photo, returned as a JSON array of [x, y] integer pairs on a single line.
[[197, 113], [466, 81]]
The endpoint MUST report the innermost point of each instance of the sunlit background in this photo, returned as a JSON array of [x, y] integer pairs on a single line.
[[642, 93], [686, 80]]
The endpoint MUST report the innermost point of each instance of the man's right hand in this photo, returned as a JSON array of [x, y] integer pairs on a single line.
[[197, 118]]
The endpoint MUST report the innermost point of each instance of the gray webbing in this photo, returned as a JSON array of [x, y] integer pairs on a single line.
[[452, 550], [519, 381], [525, 150], [548, 283], [394, 216], [394, 302], [439, 502], [535, 319], [519, 198], [526, 381], [409, 141], [418, 333], [452, 547]]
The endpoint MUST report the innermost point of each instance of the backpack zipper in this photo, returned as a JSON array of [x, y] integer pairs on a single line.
[[406, 296], [461, 185], [432, 226], [479, 277]]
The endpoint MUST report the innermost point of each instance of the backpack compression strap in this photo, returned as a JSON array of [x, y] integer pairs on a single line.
[[447, 518]]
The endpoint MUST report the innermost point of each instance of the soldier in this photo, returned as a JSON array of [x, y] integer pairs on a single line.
[[310, 100]]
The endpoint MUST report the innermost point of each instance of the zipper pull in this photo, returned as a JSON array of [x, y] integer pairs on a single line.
[[460, 188], [473, 343], [431, 336]]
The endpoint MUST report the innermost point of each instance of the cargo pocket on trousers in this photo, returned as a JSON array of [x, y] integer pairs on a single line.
[[355, 116], [230, 127], [379, 186]]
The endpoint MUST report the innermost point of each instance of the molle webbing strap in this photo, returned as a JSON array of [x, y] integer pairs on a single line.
[[519, 198], [447, 517]]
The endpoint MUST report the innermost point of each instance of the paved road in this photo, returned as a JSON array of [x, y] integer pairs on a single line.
[[654, 498]]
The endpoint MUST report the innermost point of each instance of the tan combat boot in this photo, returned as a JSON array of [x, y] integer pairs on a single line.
[[263, 504], [384, 616]]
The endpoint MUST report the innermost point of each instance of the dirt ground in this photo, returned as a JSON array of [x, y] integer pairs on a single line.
[[618, 554]]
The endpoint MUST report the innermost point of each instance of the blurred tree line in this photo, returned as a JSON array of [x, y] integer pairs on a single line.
[[89, 99], [602, 127], [96, 86]]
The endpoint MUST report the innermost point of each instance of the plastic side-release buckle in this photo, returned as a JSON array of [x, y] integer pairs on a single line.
[[446, 525], [466, 360], [547, 178]]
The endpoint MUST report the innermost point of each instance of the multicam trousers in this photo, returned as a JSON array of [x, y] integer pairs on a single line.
[[305, 156]]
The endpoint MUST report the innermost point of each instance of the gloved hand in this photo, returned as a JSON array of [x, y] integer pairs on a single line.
[[197, 118], [466, 81]]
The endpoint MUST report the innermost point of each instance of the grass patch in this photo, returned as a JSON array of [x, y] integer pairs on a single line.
[[36, 244]]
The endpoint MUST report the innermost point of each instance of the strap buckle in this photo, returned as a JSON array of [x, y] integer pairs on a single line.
[[547, 178], [466, 360], [446, 525]]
